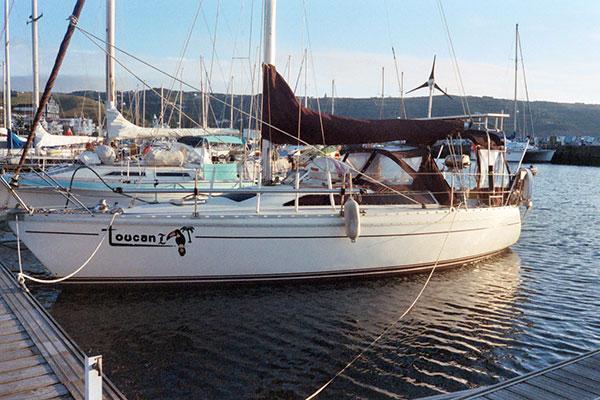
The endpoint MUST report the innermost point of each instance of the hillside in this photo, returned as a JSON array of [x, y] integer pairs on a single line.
[[550, 119]]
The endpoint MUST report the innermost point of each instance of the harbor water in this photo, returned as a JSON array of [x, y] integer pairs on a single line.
[[531, 306]]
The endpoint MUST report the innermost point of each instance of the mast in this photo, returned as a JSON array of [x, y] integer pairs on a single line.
[[7, 105], [99, 115], [402, 110], [34, 50], [4, 92], [431, 83], [110, 53], [305, 77], [180, 98], [516, 76], [202, 95], [382, 91], [74, 18], [144, 107], [333, 96], [162, 106], [231, 108], [269, 58]]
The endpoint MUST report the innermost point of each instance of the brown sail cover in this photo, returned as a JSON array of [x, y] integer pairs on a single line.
[[281, 111]]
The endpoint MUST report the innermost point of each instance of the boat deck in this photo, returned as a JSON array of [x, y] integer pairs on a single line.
[[38, 360], [577, 378]]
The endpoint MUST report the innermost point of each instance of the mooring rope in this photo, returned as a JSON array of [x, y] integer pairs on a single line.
[[316, 393], [22, 276]]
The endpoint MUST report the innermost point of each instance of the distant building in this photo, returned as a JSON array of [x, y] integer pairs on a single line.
[[51, 112], [78, 126]]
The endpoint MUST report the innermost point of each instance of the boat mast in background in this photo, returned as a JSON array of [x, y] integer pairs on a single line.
[[516, 78], [34, 51], [110, 53], [382, 91], [269, 58], [333, 96], [7, 104]]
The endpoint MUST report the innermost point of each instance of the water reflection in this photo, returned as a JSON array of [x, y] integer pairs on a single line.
[[529, 307], [284, 341]]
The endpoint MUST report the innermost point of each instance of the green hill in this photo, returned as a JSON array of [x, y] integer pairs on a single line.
[[549, 118]]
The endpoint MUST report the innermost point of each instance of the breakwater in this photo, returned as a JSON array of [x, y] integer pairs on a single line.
[[577, 155]]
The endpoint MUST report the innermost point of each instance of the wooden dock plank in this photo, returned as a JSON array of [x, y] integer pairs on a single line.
[[571, 378], [16, 344], [559, 388], [584, 371], [11, 330], [23, 373], [502, 396], [577, 378], [17, 354], [13, 365], [28, 384], [14, 338], [531, 392], [29, 322], [48, 392]]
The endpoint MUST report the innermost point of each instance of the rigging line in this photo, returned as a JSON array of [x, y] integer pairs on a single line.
[[410, 307], [12, 3], [178, 68], [312, 62], [302, 61], [398, 80], [152, 89], [526, 89], [214, 41], [209, 79], [241, 111], [454, 60]]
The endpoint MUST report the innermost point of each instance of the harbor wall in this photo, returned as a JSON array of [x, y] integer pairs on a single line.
[[577, 155]]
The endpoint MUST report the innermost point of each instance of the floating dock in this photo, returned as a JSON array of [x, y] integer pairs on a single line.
[[577, 378], [38, 360]]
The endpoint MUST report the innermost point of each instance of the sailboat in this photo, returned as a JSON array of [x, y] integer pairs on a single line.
[[105, 180], [519, 148], [379, 211]]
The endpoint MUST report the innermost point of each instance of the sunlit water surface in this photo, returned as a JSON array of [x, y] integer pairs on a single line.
[[533, 305]]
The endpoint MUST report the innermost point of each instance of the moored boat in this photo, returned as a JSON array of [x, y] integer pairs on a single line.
[[409, 217]]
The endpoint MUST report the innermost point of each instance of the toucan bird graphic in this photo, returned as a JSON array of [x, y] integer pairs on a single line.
[[179, 236], [179, 240]]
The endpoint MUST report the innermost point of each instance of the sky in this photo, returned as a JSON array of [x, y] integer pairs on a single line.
[[348, 41]]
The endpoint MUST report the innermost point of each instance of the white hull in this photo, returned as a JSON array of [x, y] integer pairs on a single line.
[[533, 155], [246, 246]]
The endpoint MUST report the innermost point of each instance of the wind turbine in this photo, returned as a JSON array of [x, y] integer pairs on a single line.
[[431, 85]]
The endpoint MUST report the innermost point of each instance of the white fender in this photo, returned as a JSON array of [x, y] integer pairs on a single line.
[[352, 219], [527, 177]]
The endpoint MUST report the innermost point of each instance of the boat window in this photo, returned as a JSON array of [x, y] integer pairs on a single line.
[[174, 174], [387, 171], [357, 161], [413, 162], [125, 173]]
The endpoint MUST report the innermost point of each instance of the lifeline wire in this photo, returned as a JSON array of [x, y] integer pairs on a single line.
[[21, 276], [315, 394]]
